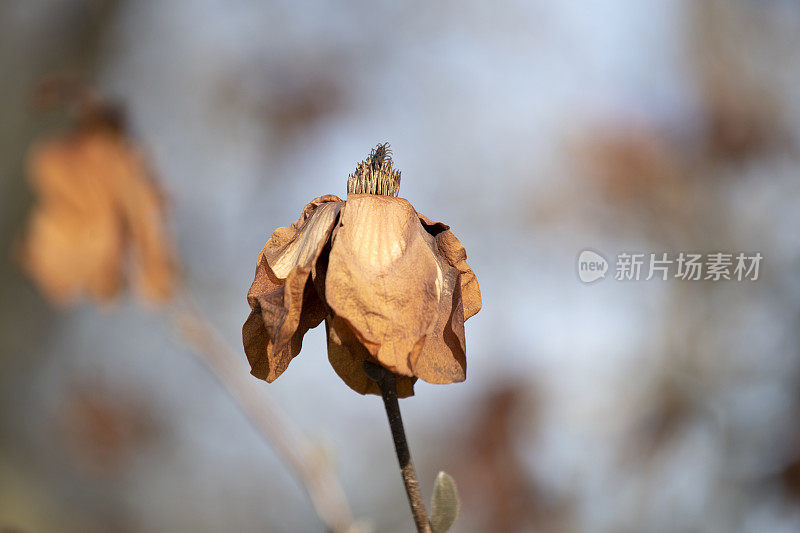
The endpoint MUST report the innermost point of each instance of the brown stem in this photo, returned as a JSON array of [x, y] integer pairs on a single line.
[[308, 463], [387, 382]]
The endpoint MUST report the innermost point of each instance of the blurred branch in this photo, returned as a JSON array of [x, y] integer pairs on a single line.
[[98, 204], [306, 461]]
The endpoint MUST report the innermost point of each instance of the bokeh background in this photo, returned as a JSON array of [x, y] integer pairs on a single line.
[[535, 129]]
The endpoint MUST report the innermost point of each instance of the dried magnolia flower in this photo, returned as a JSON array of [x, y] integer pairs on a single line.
[[95, 204], [393, 287]]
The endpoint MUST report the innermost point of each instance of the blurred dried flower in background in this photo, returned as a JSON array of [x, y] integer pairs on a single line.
[[789, 475], [292, 98], [495, 482], [299, 96], [96, 202], [663, 414], [393, 287], [741, 106], [103, 430], [630, 164], [741, 122]]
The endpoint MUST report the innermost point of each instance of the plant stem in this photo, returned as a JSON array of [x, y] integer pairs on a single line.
[[388, 384]]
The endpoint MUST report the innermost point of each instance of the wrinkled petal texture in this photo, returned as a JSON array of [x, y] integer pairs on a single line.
[[443, 356], [451, 249], [347, 355], [284, 303], [383, 278]]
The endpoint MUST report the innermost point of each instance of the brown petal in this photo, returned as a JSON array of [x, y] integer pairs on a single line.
[[283, 300], [281, 236], [453, 251], [347, 356], [443, 356], [383, 278], [273, 333]]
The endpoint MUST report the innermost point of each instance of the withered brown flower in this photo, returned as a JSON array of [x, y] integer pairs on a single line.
[[392, 286], [95, 203]]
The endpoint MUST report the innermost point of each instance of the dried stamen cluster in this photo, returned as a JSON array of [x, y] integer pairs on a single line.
[[375, 175]]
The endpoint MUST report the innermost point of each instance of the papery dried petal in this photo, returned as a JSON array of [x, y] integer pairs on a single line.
[[347, 355], [443, 356], [454, 252], [383, 279], [283, 299]]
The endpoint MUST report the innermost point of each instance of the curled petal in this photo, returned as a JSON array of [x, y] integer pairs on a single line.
[[443, 356], [283, 300], [273, 333], [383, 279], [347, 355], [282, 236], [453, 251]]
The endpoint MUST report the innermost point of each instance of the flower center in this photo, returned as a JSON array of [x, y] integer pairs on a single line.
[[375, 175]]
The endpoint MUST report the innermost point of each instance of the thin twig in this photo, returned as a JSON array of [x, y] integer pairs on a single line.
[[308, 463], [388, 384]]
